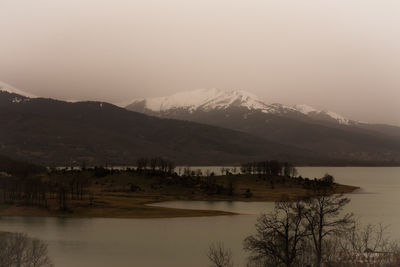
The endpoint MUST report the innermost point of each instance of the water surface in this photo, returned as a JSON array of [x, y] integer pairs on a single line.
[[184, 241]]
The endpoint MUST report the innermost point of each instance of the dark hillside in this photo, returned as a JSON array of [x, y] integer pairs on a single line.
[[54, 132]]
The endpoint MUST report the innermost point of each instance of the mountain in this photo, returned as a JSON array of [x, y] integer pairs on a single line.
[[207, 100], [52, 132], [227, 130], [323, 132]]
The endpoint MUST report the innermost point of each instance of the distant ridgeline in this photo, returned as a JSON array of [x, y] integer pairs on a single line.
[[58, 133]]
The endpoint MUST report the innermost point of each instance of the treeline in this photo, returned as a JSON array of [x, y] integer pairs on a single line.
[[152, 166], [39, 190], [155, 165], [31, 185], [28, 184], [149, 166], [277, 172], [55, 188], [269, 167]]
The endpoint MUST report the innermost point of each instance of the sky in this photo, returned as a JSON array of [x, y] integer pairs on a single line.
[[341, 55]]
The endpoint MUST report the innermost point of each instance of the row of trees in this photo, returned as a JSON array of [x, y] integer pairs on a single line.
[[38, 191], [313, 232], [19, 168], [271, 167], [154, 165], [316, 184], [159, 165]]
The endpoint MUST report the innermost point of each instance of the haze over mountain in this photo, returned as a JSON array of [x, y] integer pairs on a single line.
[[53, 132], [302, 126], [342, 55], [235, 126]]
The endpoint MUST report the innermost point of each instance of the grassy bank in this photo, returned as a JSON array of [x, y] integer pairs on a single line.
[[125, 194]]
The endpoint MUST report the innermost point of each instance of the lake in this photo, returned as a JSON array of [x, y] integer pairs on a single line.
[[184, 241]]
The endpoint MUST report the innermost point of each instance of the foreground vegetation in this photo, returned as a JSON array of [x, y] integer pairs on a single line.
[[107, 192], [313, 232], [17, 249]]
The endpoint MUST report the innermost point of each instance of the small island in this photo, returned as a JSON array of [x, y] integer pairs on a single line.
[[30, 190]]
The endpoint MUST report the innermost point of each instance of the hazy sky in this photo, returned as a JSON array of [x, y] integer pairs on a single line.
[[341, 55]]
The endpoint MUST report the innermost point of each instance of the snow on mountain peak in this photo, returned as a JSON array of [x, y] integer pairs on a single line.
[[338, 117], [217, 99], [305, 109], [205, 99], [308, 110], [10, 89]]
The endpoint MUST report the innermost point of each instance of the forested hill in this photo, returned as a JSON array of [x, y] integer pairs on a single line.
[[302, 126], [52, 132]]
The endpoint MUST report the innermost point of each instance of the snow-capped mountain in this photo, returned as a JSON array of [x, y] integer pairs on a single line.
[[202, 99], [322, 132], [87, 130], [208, 100]]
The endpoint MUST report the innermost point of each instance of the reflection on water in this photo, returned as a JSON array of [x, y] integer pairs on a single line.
[[184, 241], [245, 208]]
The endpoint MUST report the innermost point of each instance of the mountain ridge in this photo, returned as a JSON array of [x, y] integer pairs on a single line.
[[301, 126], [217, 99], [48, 131], [54, 132]]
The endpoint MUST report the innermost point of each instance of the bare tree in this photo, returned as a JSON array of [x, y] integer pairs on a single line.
[[36, 254], [324, 220], [219, 256], [369, 244], [19, 250], [280, 236], [315, 233]]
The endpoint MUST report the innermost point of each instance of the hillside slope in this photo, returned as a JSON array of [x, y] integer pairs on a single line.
[[54, 132], [324, 132]]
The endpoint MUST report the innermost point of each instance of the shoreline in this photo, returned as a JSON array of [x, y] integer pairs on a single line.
[[124, 206]]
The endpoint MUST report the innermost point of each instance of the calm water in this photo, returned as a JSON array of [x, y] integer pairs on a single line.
[[184, 241]]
